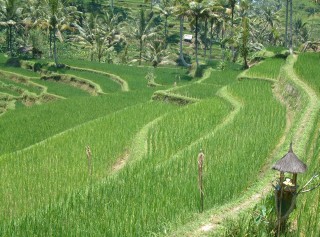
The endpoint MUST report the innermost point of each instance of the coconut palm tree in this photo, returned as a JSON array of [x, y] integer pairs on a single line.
[[166, 10], [87, 34], [212, 13], [196, 9], [56, 17], [291, 28], [53, 10], [142, 30], [181, 10], [10, 13], [244, 38]]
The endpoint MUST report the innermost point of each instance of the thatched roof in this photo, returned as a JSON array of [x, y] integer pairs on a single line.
[[290, 163]]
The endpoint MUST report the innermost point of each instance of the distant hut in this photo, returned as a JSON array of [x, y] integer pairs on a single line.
[[286, 189]]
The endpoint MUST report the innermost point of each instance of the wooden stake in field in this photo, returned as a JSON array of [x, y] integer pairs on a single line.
[[89, 156], [200, 178]]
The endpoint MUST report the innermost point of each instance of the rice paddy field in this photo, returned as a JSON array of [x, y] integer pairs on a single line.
[[140, 174]]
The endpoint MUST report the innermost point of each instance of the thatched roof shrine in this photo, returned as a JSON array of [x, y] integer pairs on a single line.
[[290, 163]]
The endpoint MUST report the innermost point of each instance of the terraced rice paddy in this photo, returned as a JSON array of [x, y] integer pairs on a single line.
[[144, 178]]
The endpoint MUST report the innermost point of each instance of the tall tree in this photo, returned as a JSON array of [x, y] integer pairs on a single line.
[[10, 12], [166, 9], [212, 13], [244, 38], [53, 7], [143, 29], [232, 4], [291, 28], [196, 10], [181, 11]]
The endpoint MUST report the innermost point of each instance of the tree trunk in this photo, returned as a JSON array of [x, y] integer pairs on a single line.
[[205, 36], [50, 43], [211, 38], [290, 43], [286, 32], [196, 41], [55, 47], [10, 40], [181, 48], [140, 54], [166, 29], [232, 46]]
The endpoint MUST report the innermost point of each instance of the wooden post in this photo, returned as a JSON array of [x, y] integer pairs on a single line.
[[89, 156], [200, 178], [294, 179]]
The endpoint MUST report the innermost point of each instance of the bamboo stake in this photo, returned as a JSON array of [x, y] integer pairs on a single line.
[[89, 157], [200, 178]]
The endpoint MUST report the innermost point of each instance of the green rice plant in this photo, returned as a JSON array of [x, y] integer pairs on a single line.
[[37, 123], [18, 70], [106, 83], [306, 67], [197, 90], [267, 69], [21, 87], [159, 191], [308, 213], [61, 89], [222, 78], [8, 90], [47, 171], [135, 76]]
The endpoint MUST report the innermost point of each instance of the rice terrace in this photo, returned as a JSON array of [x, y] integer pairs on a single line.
[[159, 118]]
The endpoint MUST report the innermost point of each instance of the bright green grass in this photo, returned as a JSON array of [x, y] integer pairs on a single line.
[[198, 90], [222, 77], [22, 86], [37, 123], [159, 191], [7, 90], [308, 215], [61, 89], [269, 68], [19, 71], [167, 76], [135, 76], [48, 171], [105, 82], [307, 67], [3, 59]]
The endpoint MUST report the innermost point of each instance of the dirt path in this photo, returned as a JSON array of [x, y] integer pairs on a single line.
[[121, 162]]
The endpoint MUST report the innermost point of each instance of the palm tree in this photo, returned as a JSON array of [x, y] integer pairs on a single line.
[[53, 7], [142, 30], [10, 13], [165, 10], [56, 18], [157, 52], [286, 27], [232, 4], [291, 30], [181, 11], [87, 34], [244, 48], [196, 10], [212, 13]]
